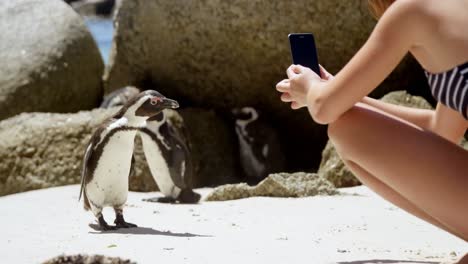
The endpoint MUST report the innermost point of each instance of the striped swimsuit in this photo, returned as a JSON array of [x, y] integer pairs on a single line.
[[451, 88]]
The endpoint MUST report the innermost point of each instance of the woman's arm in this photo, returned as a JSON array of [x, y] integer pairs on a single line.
[[444, 121], [395, 33], [420, 117]]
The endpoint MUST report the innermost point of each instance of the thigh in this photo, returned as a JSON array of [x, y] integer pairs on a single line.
[[425, 168]]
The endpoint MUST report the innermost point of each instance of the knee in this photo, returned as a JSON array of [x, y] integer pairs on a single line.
[[342, 126]]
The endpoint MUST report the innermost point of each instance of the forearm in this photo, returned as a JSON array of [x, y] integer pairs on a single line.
[[419, 117]]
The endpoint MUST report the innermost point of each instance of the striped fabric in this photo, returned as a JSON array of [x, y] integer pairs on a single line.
[[451, 88]]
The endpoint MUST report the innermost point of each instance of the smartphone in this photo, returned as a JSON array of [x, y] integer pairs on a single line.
[[303, 50]]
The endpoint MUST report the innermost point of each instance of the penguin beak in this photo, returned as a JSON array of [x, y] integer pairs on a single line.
[[169, 103]]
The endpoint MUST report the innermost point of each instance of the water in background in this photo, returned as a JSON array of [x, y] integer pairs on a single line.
[[102, 30]]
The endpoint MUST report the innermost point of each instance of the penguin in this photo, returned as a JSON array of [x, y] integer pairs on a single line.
[[107, 160], [167, 153], [169, 160], [119, 97], [259, 150]]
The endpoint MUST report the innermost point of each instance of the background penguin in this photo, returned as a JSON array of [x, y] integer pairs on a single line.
[[107, 160], [259, 150], [169, 160], [119, 97], [166, 151]]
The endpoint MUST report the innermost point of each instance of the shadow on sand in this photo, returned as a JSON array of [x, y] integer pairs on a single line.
[[142, 231], [387, 261]]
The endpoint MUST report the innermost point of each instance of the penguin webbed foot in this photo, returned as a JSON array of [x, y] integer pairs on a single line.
[[188, 196], [120, 222], [104, 225], [165, 199]]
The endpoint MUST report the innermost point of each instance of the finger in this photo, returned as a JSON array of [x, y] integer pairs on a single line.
[[283, 86], [324, 74], [300, 69], [295, 105], [292, 71], [286, 97]]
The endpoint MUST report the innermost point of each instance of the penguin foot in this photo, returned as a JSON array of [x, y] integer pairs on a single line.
[[165, 199], [120, 222], [104, 226], [188, 196]]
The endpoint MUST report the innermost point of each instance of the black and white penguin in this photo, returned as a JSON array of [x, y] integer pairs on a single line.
[[169, 160], [107, 161], [259, 150], [119, 97], [166, 152]]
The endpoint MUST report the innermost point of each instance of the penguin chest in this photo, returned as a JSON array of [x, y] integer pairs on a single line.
[[109, 185]]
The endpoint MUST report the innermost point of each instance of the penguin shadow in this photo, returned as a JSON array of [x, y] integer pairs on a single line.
[[142, 231], [387, 261]]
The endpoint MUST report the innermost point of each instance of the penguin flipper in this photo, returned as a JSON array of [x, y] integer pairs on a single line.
[[95, 138], [84, 170]]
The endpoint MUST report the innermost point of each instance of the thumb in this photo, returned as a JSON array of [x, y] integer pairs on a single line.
[[324, 74], [293, 70]]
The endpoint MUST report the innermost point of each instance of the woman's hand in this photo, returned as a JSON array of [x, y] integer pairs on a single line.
[[301, 80]]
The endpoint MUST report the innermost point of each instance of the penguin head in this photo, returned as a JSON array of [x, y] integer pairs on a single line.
[[147, 104], [152, 103], [245, 115]]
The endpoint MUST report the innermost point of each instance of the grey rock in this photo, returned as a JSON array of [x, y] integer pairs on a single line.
[[225, 54], [40, 150], [50, 62], [213, 146], [333, 169], [405, 99], [87, 259], [94, 7], [276, 185]]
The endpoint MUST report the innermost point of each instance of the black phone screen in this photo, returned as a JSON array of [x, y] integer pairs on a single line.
[[303, 50]]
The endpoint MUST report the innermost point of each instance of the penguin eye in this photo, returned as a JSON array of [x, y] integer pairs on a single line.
[[156, 100]]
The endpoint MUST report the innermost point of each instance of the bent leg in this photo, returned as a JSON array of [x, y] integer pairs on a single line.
[[428, 171], [392, 196], [119, 218]]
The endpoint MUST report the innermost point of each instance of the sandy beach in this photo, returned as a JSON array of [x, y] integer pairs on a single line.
[[356, 227]]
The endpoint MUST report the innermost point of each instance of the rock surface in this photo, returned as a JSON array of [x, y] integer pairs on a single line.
[[276, 185], [84, 259], [333, 168], [337, 229], [40, 150], [226, 54], [94, 7], [213, 146], [51, 62]]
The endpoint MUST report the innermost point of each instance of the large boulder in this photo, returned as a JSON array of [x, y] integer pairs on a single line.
[[333, 168], [214, 147], [50, 62], [226, 54], [297, 184], [93, 7], [40, 150]]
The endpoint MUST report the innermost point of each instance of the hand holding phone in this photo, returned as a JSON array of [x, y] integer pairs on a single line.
[[303, 50]]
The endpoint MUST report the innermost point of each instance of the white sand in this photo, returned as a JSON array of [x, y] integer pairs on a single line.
[[347, 229]]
